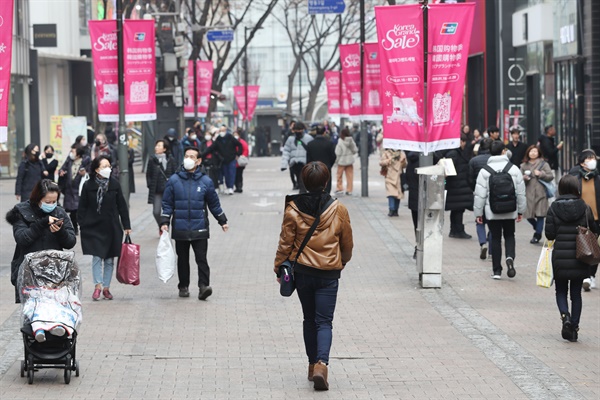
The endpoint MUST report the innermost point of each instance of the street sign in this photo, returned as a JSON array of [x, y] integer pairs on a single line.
[[326, 6], [220, 36]]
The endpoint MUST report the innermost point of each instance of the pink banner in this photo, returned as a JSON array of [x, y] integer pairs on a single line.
[[140, 70], [400, 32], [240, 98], [332, 80], [449, 34], [6, 21], [350, 59], [345, 100], [204, 75], [372, 109], [103, 35]]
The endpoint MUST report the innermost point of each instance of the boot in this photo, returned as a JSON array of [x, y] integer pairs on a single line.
[[391, 213], [567, 329], [460, 233], [311, 371], [395, 213], [320, 376]]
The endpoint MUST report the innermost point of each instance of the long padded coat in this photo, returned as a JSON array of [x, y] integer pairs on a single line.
[[460, 195], [157, 176]]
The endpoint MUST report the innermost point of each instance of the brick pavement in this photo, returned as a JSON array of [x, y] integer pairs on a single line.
[[474, 338]]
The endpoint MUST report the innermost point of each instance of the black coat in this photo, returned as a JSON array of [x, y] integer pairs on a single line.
[[460, 195], [577, 171], [227, 147], [102, 233], [412, 179], [564, 216], [475, 165], [321, 149], [157, 176], [69, 184], [50, 166], [518, 152], [549, 151], [30, 173]]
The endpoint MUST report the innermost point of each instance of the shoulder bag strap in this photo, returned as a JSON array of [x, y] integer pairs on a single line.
[[312, 229]]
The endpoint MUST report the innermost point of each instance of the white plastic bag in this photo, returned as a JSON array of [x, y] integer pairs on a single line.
[[165, 258], [84, 179]]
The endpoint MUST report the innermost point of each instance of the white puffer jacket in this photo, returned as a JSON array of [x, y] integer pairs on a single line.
[[294, 152], [482, 200], [345, 151]]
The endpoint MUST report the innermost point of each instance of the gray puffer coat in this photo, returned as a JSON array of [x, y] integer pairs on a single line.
[[294, 152]]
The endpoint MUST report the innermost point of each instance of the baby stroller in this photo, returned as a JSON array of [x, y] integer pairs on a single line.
[[49, 283]]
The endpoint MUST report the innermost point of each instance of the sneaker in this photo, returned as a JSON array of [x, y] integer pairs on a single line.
[[184, 292], [496, 277], [483, 251], [348, 193], [452, 234], [339, 193], [40, 335], [205, 291], [462, 235], [511, 268], [106, 294], [587, 283], [230, 191], [96, 295], [592, 282], [490, 257], [58, 331], [535, 239]]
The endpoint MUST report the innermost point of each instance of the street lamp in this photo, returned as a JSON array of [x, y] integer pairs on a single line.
[[246, 29]]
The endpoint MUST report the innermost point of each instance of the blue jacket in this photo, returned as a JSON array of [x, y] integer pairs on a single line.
[[186, 198]]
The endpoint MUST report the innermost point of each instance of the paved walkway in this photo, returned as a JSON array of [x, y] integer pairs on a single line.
[[474, 338]]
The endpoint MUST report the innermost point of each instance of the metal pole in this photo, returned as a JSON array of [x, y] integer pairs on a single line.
[[340, 86], [246, 79], [425, 159], [364, 137], [196, 56], [501, 70], [122, 146]]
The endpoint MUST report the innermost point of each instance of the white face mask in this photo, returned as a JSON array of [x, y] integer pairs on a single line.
[[193, 137], [222, 134], [591, 164], [83, 142], [105, 173], [486, 135], [189, 164], [207, 137], [72, 156]]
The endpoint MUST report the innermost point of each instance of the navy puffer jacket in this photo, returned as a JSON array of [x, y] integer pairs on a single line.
[[186, 199]]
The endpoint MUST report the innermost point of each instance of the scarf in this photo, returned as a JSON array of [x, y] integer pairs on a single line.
[[587, 175], [162, 159], [102, 188]]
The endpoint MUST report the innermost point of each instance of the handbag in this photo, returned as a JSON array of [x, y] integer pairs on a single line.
[[84, 179], [550, 187], [544, 272], [286, 269], [242, 161], [587, 248], [128, 267]]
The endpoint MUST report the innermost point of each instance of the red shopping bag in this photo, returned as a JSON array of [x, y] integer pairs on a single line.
[[128, 267]]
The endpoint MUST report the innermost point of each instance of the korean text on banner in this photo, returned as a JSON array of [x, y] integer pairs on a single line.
[[240, 99], [332, 79], [400, 33], [103, 35], [6, 21], [204, 74], [372, 109], [449, 35], [350, 59], [345, 100], [140, 70]]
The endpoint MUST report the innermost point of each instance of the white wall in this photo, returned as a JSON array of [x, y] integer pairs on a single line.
[[63, 13]]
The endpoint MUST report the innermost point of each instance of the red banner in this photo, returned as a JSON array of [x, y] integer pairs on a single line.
[[334, 88], [140, 70], [449, 34], [240, 98], [372, 109], [400, 32], [103, 35], [6, 21], [204, 75], [350, 59], [345, 100]]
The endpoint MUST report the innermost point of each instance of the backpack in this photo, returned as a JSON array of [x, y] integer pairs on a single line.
[[502, 194]]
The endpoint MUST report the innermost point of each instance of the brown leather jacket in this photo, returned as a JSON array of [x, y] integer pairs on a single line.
[[329, 248]]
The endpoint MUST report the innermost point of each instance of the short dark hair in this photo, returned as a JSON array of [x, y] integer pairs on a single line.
[[548, 127], [345, 133], [464, 137], [41, 189], [299, 126], [78, 139], [497, 147], [515, 130], [96, 164], [585, 154], [533, 146], [197, 150], [315, 176], [493, 128], [569, 184], [48, 146], [79, 150], [320, 130], [486, 144], [164, 142]]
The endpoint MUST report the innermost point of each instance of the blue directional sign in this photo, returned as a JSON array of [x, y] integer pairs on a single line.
[[220, 36], [326, 6]]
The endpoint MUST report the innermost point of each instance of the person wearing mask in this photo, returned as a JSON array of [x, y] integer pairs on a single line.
[[517, 148], [31, 170], [475, 165], [103, 218], [211, 163], [188, 195], [566, 213], [549, 148], [239, 170], [294, 152], [319, 266], [49, 162], [459, 194], [588, 177], [83, 142], [70, 175], [161, 166], [393, 162], [175, 146], [102, 147], [321, 149], [190, 139], [345, 152], [534, 169], [110, 135], [38, 223], [229, 149]]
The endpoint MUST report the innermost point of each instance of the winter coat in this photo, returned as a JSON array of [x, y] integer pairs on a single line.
[[345, 151], [50, 166], [321, 149], [30, 173], [102, 233], [226, 146], [157, 176], [294, 152], [69, 184], [412, 179], [186, 199], [518, 152], [537, 202], [189, 142], [459, 194], [564, 216], [175, 149], [330, 247], [245, 150], [482, 198], [475, 165], [577, 171], [32, 233], [549, 151], [395, 161]]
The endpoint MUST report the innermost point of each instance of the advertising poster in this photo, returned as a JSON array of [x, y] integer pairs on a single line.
[[104, 56], [204, 75], [6, 20], [334, 106], [238, 92], [372, 109], [350, 59]]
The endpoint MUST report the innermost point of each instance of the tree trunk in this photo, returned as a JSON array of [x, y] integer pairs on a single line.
[[291, 78], [312, 96]]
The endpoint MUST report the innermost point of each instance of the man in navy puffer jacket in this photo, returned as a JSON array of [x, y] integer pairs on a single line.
[[188, 194]]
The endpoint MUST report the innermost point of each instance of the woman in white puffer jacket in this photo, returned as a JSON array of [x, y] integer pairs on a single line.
[[345, 151]]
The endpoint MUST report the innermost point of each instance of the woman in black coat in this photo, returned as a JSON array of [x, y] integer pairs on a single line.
[[39, 224], [459, 194], [31, 170], [161, 166], [70, 175], [564, 216], [50, 164], [102, 212]]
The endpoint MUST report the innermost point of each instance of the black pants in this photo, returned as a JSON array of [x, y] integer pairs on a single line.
[[296, 169], [73, 215], [293, 178], [200, 247], [498, 227], [456, 221], [562, 292], [239, 178]]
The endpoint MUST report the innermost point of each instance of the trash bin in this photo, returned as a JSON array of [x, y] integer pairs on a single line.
[[275, 148]]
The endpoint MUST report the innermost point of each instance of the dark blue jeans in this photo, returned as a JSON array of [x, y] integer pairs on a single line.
[[537, 223], [562, 291], [318, 297], [229, 173]]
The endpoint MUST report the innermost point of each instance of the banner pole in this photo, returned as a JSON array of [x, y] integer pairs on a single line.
[[123, 145], [364, 137], [425, 159]]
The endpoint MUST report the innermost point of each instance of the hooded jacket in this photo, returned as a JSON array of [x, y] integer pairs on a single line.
[[330, 246], [345, 151], [564, 216], [295, 152]]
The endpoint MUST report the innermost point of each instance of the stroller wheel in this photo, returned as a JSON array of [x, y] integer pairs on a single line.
[[76, 368], [30, 375], [67, 375], [22, 369]]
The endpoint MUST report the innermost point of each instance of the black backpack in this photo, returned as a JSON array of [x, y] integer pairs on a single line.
[[502, 194]]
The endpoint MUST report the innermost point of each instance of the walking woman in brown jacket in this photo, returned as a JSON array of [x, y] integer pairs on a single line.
[[318, 268]]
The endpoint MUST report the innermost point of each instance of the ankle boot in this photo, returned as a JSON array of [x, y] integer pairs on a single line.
[[311, 371], [391, 213], [567, 329], [320, 376]]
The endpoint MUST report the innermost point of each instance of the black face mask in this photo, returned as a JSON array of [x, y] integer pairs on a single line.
[[97, 142], [49, 155]]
